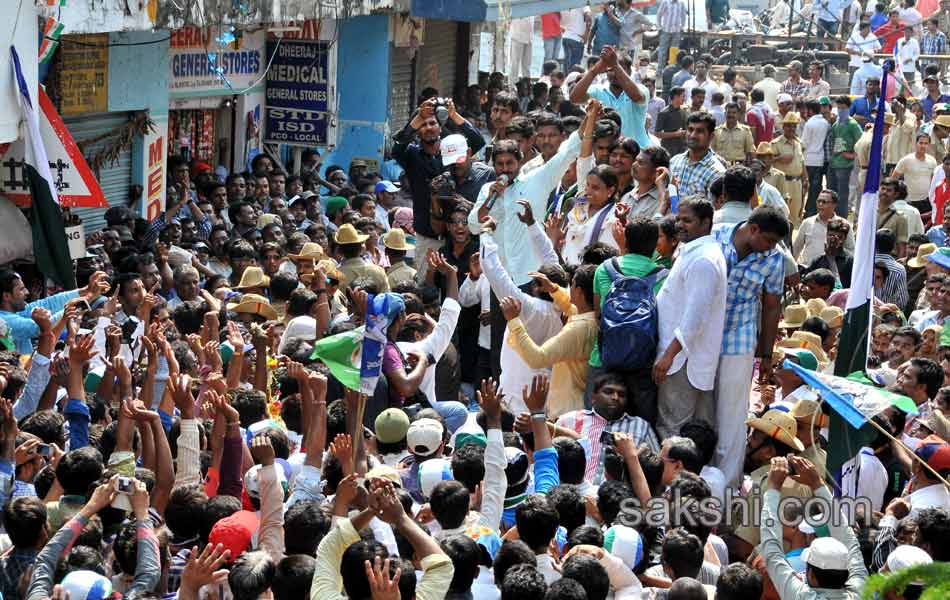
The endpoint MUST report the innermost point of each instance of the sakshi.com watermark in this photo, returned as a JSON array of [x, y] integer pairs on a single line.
[[736, 510]]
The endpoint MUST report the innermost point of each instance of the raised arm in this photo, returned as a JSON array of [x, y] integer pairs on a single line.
[[496, 482], [633, 90], [579, 91]]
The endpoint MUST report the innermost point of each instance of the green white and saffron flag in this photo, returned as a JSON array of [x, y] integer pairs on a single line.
[[342, 354], [848, 430], [52, 30]]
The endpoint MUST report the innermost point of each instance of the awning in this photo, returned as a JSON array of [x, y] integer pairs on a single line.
[[489, 10]]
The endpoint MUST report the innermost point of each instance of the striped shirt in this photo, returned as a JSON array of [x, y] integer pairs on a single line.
[[695, 177], [671, 16], [895, 285], [589, 425], [935, 43], [747, 278]]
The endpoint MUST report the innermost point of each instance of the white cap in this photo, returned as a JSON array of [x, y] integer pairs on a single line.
[[432, 473], [454, 149], [302, 327], [827, 553], [424, 437], [784, 98], [906, 556]]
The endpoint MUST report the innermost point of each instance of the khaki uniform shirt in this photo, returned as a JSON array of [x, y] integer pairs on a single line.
[[862, 150], [894, 221], [735, 144], [400, 273], [355, 268], [900, 140], [786, 147], [938, 149], [776, 179]]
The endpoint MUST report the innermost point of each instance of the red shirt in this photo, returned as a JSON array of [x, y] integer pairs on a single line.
[[889, 36], [941, 195], [551, 25], [762, 125]]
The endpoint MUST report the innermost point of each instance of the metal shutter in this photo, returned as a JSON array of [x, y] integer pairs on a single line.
[[438, 53], [114, 179], [400, 75]]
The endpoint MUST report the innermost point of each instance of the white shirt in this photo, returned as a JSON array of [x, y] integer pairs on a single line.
[[864, 476], [810, 239], [382, 217], [692, 308], [580, 228], [436, 343], [915, 224], [541, 319], [813, 140], [859, 44], [709, 85], [717, 483], [573, 23], [514, 248], [932, 496], [770, 196], [771, 89], [484, 588], [521, 30], [477, 292], [910, 16], [908, 51], [546, 568]]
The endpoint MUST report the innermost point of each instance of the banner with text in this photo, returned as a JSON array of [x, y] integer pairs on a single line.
[[200, 64], [299, 93]]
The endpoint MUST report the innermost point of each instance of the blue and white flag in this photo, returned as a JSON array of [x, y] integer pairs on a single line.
[[381, 310]]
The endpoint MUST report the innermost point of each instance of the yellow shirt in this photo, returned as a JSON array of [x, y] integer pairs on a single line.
[[862, 150], [567, 354], [786, 147], [733, 144], [900, 140], [356, 268]]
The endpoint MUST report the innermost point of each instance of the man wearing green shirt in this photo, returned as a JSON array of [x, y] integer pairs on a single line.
[[845, 133], [636, 260]]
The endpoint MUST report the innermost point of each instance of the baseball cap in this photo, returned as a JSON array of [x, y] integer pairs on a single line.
[[906, 556], [516, 472], [805, 358], [386, 186], [941, 257], [335, 204], [469, 433], [935, 452], [784, 98], [252, 483], [827, 553], [424, 437], [624, 543], [454, 149], [930, 78], [391, 425], [235, 532], [87, 585], [431, 473], [824, 101]]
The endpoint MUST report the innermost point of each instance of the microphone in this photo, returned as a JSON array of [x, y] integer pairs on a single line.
[[494, 195]]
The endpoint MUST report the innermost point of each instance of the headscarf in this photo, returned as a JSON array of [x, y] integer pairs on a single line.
[[403, 220]]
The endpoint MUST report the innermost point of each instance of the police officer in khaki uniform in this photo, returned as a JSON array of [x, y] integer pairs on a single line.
[[354, 266], [396, 249], [862, 149], [772, 176], [939, 136], [733, 140], [790, 160]]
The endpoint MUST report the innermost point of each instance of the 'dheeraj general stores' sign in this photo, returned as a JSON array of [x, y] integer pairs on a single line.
[[199, 65], [298, 93]]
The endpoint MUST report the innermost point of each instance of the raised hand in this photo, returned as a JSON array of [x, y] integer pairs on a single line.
[[180, 388], [536, 396], [385, 502], [474, 266], [98, 285], [81, 349], [510, 307], [621, 210], [382, 586], [438, 263], [43, 319], [262, 451], [554, 228], [102, 496], [205, 568], [542, 280], [527, 217], [489, 399], [342, 448]]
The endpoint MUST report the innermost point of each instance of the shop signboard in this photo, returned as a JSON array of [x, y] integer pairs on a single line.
[[84, 74], [201, 64], [298, 93]]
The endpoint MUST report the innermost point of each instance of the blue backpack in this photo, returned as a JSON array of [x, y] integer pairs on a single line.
[[628, 320]]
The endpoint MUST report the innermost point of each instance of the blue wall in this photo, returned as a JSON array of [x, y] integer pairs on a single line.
[[362, 75], [138, 75]]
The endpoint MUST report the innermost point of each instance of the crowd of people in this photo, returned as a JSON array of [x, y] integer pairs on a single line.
[[590, 300]]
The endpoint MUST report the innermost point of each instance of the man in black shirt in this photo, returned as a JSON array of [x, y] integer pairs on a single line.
[[671, 123], [417, 150]]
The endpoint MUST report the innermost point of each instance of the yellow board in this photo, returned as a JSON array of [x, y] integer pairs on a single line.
[[84, 74]]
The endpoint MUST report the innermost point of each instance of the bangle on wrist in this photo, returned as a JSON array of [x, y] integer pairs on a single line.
[[538, 416]]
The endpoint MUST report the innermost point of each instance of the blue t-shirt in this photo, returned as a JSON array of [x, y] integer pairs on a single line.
[[605, 33], [633, 115]]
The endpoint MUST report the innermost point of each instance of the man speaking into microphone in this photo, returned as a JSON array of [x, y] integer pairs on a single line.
[[499, 200]]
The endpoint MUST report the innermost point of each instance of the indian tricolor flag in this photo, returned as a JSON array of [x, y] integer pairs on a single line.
[[847, 435], [52, 29]]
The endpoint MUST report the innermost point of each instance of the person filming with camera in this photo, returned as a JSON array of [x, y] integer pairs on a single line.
[[418, 149]]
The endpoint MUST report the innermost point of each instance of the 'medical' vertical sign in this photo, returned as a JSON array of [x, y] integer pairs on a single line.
[[298, 93]]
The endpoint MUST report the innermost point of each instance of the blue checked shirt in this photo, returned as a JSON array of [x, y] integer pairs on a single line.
[[933, 43], [695, 177], [671, 16], [746, 280]]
